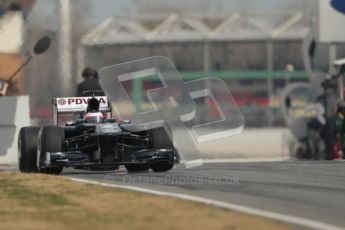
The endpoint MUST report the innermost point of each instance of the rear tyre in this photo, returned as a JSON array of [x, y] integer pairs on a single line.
[[27, 149], [108, 153], [160, 139], [137, 168], [51, 139], [163, 167], [109, 159]]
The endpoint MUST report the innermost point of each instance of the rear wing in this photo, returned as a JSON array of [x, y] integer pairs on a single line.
[[76, 105]]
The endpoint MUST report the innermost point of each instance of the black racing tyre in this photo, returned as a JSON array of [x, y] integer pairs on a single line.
[[137, 167], [27, 149], [162, 167], [109, 158], [51, 139], [108, 153], [160, 139]]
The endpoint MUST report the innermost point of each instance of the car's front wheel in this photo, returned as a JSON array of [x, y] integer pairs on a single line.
[[51, 140], [27, 149]]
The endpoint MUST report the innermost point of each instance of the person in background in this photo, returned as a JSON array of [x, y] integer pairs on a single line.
[[90, 82], [340, 127]]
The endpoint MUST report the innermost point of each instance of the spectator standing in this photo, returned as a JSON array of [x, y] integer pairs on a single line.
[[340, 126], [90, 82]]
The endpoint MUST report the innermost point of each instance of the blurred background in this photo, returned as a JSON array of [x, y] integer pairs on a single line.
[[254, 46]]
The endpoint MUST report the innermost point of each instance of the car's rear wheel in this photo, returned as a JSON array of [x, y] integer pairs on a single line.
[[162, 167], [160, 139], [108, 153], [137, 167], [51, 139], [27, 149]]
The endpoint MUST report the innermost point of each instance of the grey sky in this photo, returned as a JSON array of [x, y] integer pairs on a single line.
[[102, 8], [46, 10]]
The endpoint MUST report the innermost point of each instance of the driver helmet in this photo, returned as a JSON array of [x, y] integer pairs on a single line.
[[94, 117]]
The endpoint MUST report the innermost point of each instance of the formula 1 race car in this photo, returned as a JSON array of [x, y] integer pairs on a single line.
[[94, 142]]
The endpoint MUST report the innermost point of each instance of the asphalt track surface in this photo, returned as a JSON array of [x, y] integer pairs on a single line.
[[313, 190]]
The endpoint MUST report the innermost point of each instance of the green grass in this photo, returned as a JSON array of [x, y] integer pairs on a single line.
[[35, 201], [29, 196]]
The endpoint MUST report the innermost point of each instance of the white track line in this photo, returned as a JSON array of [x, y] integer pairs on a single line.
[[244, 209], [244, 160]]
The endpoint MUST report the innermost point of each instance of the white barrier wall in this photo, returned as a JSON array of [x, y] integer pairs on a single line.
[[14, 114], [330, 21], [269, 143]]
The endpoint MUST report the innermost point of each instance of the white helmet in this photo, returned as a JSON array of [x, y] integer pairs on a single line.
[[94, 117]]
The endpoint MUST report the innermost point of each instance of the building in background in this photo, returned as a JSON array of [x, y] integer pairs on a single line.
[[12, 40], [11, 43], [249, 47], [249, 52]]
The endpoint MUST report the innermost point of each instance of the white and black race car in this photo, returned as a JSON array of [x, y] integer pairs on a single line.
[[93, 142]]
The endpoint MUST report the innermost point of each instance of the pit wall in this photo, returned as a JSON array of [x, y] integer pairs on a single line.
[[14, 114]]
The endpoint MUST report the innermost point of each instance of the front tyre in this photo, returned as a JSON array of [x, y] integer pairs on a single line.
[[27, 149], [51, 140]]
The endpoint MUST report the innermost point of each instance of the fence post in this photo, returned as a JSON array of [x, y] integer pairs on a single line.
[[269, 48]]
